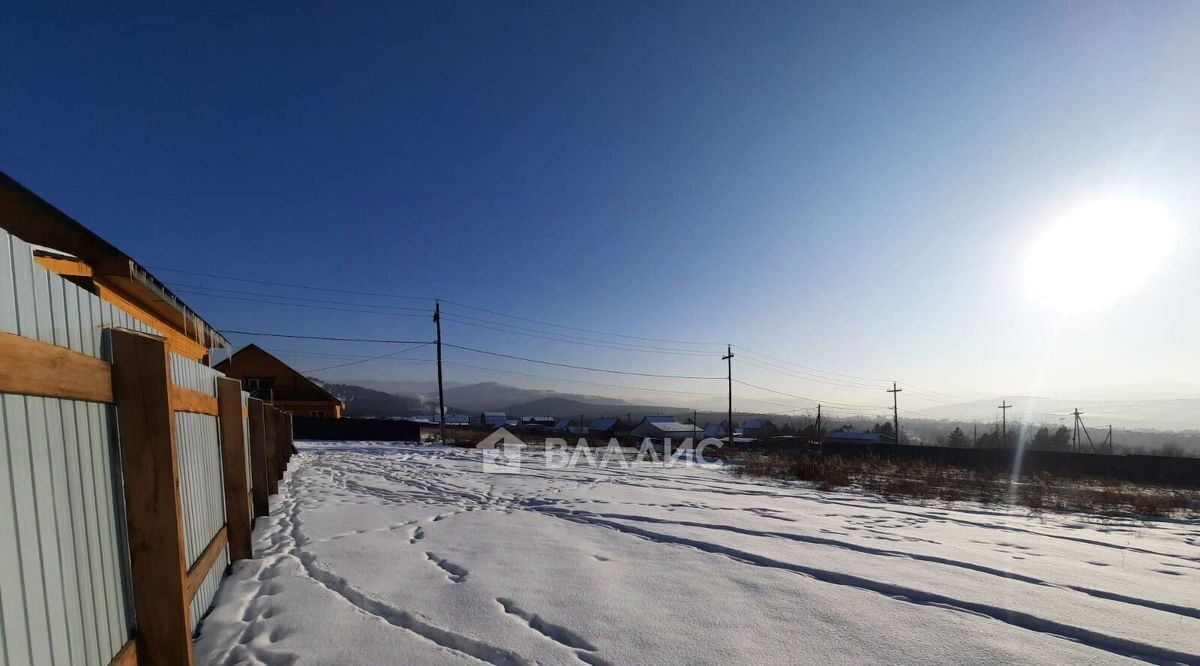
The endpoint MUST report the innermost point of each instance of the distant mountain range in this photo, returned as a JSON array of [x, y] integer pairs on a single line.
[[1157, 413], [362, 401], [376, 398]]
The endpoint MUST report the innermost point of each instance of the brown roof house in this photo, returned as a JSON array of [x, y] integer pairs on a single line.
[[277, 383]]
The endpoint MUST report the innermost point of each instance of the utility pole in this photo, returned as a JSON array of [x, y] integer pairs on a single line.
[[1075, 437], [974, 435], [728, 358], [437, 319], [1075, 430], [693, 425], [818, 432], [1004, 407], [1110, 440], [895, 411]]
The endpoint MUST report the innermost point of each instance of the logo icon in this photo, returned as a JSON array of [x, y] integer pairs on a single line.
[[501, 452]]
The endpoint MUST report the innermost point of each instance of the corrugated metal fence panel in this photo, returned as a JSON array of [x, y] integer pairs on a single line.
[[64, 596], [201, 486], [196, 376], [208, 589]]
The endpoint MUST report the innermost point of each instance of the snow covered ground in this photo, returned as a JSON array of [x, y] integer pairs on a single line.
[[410, 554]]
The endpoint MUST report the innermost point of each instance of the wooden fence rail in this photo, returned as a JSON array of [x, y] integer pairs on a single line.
[[164, 580]]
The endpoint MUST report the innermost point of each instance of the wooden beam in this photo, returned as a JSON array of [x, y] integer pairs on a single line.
[[64, 265], [179, 343], [186, 400], [204, 563], [126, 656], [271, 421], [233, 464], [33, 367], [258, 457], [141, 379]]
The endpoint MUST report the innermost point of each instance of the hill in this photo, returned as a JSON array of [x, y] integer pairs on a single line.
[[362, 401]]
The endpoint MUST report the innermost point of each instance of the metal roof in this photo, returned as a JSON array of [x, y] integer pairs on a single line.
[[671, 426], [35, 220]]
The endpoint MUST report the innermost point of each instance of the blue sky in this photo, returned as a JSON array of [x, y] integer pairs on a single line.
[[851, 186]]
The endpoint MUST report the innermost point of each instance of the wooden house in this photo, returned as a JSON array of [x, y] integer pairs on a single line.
[[277, 383], [759, 429]]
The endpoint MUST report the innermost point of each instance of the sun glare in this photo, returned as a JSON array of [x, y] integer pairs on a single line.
[[1098, 253]]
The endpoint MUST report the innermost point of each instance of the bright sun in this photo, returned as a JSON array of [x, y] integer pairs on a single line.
[[1098, 252]]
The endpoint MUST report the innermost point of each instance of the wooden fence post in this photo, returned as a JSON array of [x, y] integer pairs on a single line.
[[233, 464], [258, 456], [291, 438], [270, 421], [283, 451], [141, 380]]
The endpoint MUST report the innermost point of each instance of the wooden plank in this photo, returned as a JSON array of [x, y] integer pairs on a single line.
[[146, 427], [63, 265], [126, 656], [199, 570], [31, 367], [177, 341], [233, 463], [184, 399], [258, 456], [271, 422]]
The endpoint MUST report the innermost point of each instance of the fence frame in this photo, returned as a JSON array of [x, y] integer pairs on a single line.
[[138, 381]]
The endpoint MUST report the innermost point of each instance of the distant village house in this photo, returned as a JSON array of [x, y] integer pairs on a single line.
[[662, 427], [273, 381], [606, 427], [759, 429]]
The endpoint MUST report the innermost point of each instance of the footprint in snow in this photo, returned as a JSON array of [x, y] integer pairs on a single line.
[[454, 573]]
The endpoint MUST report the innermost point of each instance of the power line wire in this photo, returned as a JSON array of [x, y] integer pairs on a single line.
[[577, 367], [299, 305], [807, 373], [321, 337], [184, 287], [290, 285], [553, 338], [424, 298], [375, 358], [636, 347], [804, 397]]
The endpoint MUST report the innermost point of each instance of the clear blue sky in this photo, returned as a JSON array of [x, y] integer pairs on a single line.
[[849, 186]]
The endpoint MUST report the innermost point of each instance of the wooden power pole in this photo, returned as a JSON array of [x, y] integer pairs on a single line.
[[895, 410], [728, 358], [437, 320], [818, 432], [1004, 407], [1075, 430]]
